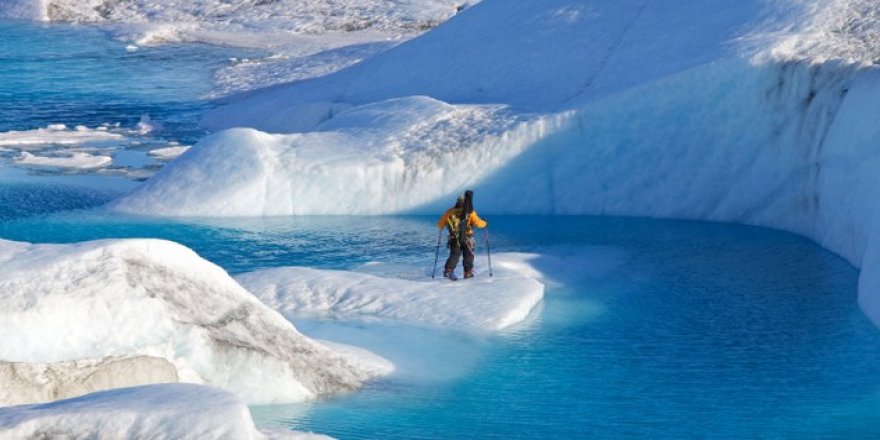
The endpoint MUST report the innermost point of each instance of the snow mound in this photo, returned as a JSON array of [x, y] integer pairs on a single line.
[[419, 146], [178, 411], [160, 299], [481, 303], [22, 383]]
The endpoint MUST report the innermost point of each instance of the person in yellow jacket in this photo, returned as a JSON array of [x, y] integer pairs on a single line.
[[460, 245]]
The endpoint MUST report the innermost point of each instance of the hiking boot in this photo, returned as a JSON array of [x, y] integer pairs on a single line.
[[468, 274]]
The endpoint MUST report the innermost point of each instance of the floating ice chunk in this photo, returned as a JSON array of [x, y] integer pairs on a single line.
[[131, 48], [57, 134], [158, 298], [76, 161], [22, 382], [172, 411], [481, 303], [168, 153]]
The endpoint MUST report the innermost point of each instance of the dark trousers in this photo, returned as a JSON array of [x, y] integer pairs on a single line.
[[456, 249]]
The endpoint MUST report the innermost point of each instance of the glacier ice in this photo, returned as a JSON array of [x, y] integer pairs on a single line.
[[683, 110], [482, 303], [157, 298], [178, 411], [22, 382]]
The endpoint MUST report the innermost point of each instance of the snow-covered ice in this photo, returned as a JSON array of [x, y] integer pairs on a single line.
[[157, 298], [75, 161], [481, 303], [166, 411]]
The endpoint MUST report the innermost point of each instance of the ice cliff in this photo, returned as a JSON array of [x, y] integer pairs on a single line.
[[152, 299]]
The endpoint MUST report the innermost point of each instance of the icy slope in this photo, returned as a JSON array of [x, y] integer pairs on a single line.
[[169, 411], [157, 298], [483, 303], [543, 54]]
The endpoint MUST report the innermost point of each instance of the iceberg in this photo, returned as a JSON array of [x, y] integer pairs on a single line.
[[482, 303], [156, 298], [178, 411]]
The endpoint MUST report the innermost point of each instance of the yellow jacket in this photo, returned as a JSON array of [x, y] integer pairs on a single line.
[[450, 219]]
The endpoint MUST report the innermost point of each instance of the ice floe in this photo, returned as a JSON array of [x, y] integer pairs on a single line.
[[481, 303], [168, 153], [157, 298], [75, 161]]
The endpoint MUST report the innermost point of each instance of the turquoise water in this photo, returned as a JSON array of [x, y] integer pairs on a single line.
[[76, 75], [661, 329], [685, 330]]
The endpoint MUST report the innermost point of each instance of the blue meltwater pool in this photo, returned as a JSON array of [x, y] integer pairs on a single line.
[[658, 329]]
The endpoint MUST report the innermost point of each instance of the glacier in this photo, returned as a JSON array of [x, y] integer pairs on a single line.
[[71, 303], [761, 113]]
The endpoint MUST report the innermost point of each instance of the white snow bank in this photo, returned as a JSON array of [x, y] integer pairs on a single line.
[[22, 383], [481, 303], [168, 411], [157, 298], [75, 161]]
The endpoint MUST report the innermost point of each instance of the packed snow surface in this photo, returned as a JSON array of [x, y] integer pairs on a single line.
[[157, 298], [167, 411], [481, 303]]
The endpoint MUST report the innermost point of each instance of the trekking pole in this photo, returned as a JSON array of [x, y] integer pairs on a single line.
[[437, 254], [488, 251]]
